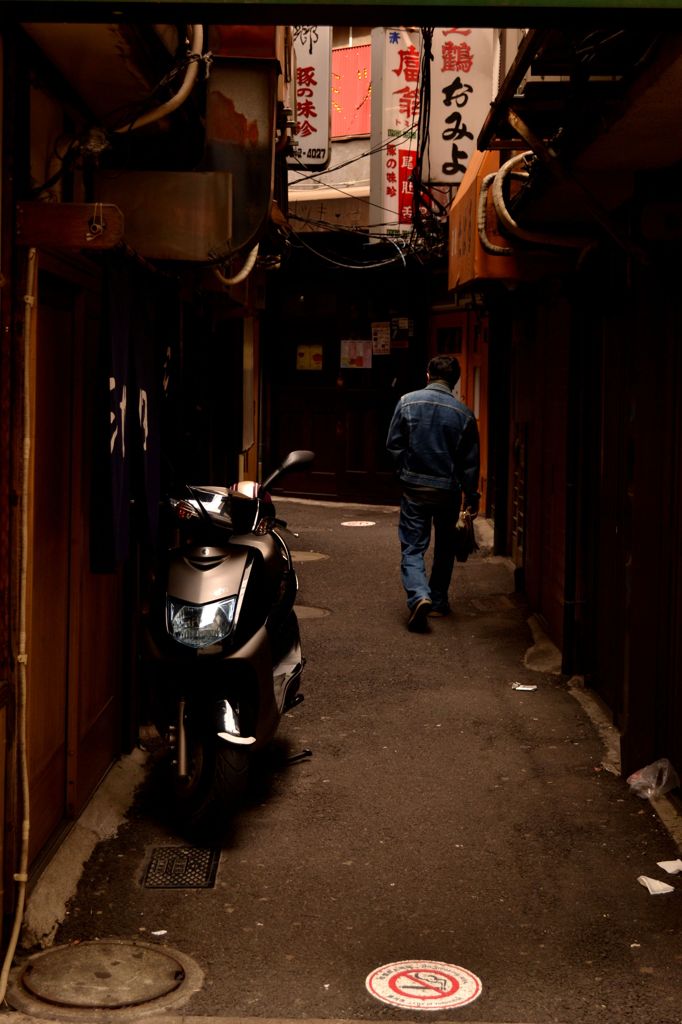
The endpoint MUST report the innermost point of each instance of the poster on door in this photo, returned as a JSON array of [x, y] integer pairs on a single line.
[[309, 357], [381, 338], [356, 355]]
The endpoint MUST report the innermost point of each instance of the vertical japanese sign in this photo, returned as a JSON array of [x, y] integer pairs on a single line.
[[311, 97], [460, 94], [394, 130], [461, 91]]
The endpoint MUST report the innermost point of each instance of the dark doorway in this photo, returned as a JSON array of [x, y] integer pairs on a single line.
[[341, 347]]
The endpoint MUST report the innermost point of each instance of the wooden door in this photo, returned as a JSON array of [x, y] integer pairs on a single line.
[[50, 580], [539, 409], [74, 623], [546, 372]]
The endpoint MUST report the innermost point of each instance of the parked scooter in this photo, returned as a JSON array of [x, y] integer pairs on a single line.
[[224, 639]]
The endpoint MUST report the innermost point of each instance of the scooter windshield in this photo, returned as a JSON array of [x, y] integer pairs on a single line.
[[227, 509]]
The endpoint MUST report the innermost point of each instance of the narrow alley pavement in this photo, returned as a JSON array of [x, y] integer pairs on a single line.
[[444, 816]]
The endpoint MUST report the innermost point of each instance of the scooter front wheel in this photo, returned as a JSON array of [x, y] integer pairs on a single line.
[[215, 783]]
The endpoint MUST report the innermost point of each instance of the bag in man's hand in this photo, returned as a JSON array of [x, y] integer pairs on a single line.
[[465, 538]]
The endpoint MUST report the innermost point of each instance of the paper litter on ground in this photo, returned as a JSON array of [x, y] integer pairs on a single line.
[[673, 867], [654, 886]]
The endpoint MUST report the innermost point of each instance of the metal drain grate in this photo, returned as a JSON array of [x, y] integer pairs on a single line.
[[182, 867]]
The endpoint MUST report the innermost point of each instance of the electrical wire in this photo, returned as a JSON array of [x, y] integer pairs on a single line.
[[317, 175], [390, 141], [194, 58], [360, 199], [428, 212], [346, 265], [296, 241], [241, 275], [72, 151], [348, 229], [128, 112], [422, 127]]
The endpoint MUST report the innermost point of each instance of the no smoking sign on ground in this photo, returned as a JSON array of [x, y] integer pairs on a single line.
[[424, 985]]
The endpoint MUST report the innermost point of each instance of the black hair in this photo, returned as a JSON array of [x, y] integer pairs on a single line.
[[445, 368]]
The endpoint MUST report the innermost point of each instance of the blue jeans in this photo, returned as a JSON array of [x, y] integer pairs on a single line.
[[414, 530]]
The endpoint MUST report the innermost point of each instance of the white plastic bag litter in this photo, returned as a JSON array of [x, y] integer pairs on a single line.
[[654, 780]]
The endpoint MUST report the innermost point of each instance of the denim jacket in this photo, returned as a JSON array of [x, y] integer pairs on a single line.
[[433, 441]]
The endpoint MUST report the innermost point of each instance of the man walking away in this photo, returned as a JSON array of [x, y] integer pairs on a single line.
[[433, 441]]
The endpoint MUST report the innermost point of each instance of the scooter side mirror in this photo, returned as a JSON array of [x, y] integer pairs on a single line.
[[294, 460]]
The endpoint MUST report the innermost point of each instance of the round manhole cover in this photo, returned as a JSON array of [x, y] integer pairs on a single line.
[[104, 975], [308, 556]]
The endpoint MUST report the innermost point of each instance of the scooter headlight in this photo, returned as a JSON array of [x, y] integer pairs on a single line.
[[198, 625]]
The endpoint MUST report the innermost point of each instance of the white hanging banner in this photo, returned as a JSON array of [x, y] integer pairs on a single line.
[[311, 98], [400, 81], [461, 91]]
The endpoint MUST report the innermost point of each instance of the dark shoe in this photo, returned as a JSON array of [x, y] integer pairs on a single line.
[[439, 613], [417, 620]]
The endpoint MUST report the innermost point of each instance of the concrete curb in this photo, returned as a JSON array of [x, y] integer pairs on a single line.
[[543, 656], [100, 820]]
